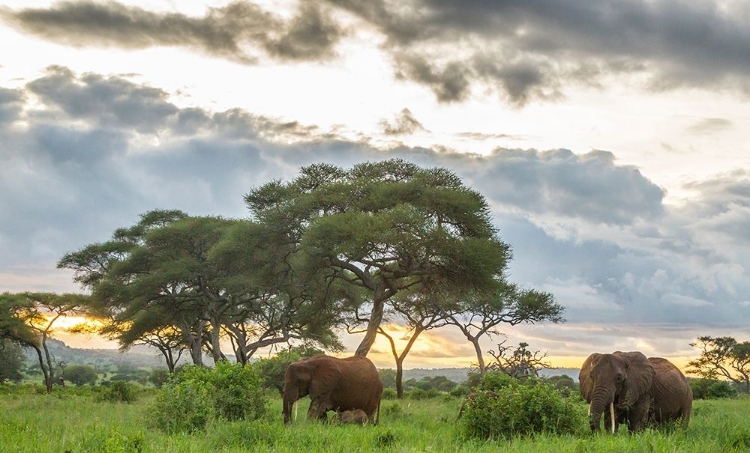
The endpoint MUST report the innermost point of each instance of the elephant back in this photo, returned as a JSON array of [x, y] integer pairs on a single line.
[[671, 394]]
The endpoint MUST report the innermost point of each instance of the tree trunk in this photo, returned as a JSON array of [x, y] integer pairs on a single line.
[[480, 358], [400, 378], [376, 317]]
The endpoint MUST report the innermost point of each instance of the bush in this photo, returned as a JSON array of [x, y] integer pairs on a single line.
[[522, 410], [494, 381], [711, 389], [417, 394], [389, 394], [158, 377], [118, 392], [80, 375], [196, 395], [460, 391]]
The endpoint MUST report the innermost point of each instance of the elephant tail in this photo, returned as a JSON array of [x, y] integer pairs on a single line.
[[377, 415]]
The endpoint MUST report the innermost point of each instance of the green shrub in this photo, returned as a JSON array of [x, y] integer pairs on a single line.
[[417, 394], [238, 393], [496, 380], [711, 389], [196, 395], [117, 392], [183, 406], [522, 410], [460, 391], [389, 394]]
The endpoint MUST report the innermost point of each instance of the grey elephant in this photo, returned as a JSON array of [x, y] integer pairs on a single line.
[[629, 388], [352, 417], [333, 385]]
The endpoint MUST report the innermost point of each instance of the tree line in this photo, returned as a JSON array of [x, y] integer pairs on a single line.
[[333, 249]]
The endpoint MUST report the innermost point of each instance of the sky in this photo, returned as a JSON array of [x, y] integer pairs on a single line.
[[609, 139]]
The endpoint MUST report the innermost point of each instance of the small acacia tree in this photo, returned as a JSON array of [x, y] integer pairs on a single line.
[[722, 357]]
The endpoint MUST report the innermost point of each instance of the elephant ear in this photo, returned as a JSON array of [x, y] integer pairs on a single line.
[[326, 375], [585, 383], [640, 375]]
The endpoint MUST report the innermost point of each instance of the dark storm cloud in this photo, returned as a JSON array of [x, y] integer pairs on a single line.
[[231, 32], [405, 123], [530, 49], [450, 83]]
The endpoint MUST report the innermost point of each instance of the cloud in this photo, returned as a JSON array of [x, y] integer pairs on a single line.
[[522, 51], [224, 32], [533, 50], [11, 103], [404, 124], [87, 154], [710, 126]]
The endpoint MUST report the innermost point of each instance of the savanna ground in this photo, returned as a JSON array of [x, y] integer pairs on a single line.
[[67, 421]]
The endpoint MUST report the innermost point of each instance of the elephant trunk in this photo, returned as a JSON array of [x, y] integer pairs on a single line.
[[602, 399]]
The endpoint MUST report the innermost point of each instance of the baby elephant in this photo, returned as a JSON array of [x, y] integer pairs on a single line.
[[356, 416]]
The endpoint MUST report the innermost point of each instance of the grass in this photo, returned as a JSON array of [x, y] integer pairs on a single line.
[[68, 421]]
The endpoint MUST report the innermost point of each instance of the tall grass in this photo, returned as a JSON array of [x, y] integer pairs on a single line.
[[75, 422]]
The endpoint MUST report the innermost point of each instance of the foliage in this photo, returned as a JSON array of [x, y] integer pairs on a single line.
[[518, 362], [521, 410], [494, 381], [389, 394], [80, 375], [722, 357], [385, 227], [237, 392], [158, 377], [118, 392], [564, 384], [711, 389], [196, 395], [273, 369], [428, 383], [388, 377], [11, 361]]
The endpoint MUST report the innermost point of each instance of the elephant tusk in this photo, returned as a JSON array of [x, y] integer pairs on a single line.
[[612, 414], [590, 404], [294, 405]]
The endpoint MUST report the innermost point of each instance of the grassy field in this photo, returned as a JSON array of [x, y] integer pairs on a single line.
[[66, 422]]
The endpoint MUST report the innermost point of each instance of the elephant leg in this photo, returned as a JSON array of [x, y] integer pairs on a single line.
[[317, 410], [638, 415]]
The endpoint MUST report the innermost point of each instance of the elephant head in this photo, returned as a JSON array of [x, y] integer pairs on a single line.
[[620, 382], [306, 376]]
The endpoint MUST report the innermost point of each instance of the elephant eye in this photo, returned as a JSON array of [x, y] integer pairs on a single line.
[[619, 377]]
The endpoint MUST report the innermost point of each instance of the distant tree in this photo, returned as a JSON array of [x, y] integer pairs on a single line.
[[80, 375], [388, 377], [28, 320], [11, 361], [422, 311], [159, 376], [479, 314], [518, 362], [722, 357], [385, 227], [564, 384], [711, 388]]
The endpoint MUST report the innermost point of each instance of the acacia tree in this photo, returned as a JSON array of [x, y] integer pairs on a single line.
[[184, 270], [421, 312], [28, 320], [386, 227], [722, 357], [518, 362], [480, 314]]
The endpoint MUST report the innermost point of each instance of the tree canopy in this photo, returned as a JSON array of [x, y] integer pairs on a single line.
[[722, 357], [386, 227]]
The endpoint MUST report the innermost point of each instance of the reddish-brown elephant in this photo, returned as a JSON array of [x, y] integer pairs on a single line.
[[333, 385]]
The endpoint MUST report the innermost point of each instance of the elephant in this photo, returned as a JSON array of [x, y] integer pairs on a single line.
[[630, 388], [333, 385], [352, 417]]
